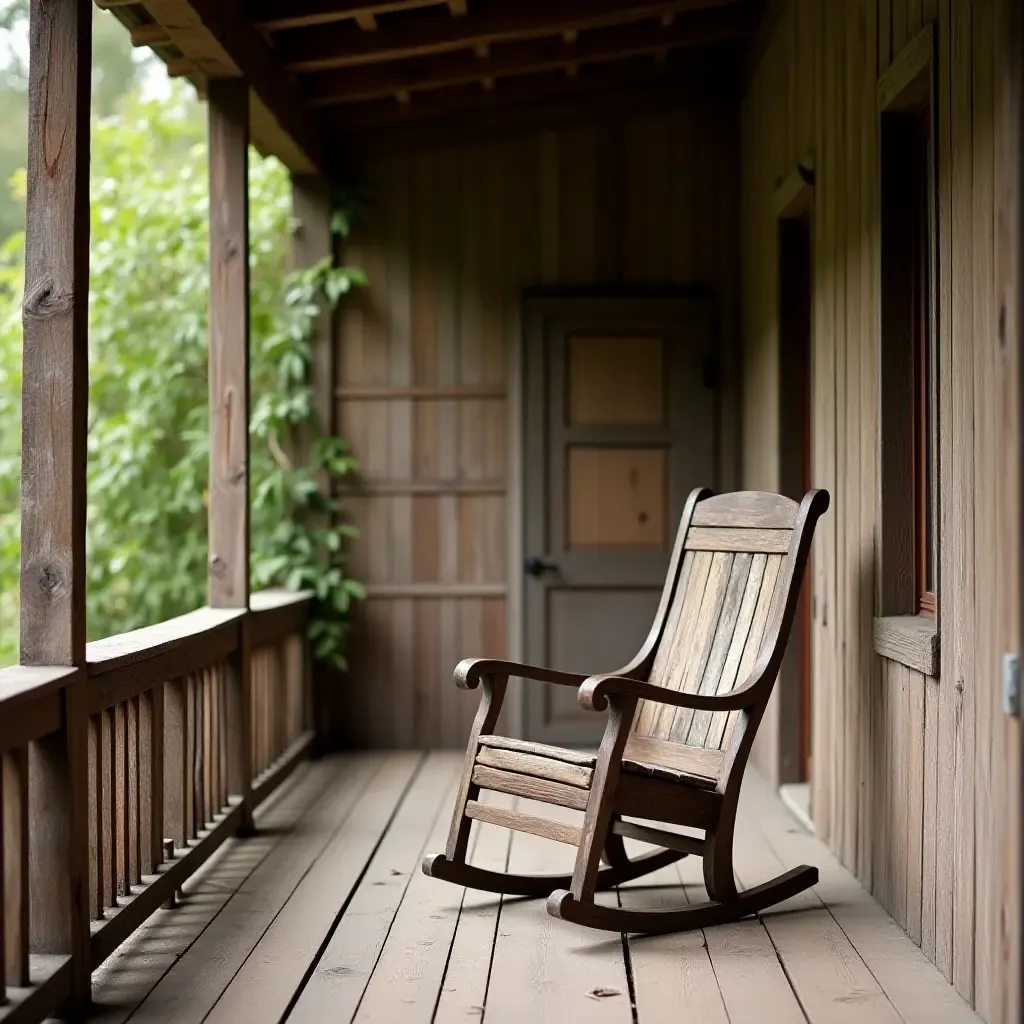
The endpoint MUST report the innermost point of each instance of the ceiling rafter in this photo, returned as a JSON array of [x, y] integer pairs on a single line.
[[385, 114], [488, 22], [525, 57], [280, 15]]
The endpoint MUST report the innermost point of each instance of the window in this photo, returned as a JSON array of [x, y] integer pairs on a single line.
[[909, 406]]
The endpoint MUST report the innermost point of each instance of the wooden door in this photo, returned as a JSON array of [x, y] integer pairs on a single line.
[[620, 424]]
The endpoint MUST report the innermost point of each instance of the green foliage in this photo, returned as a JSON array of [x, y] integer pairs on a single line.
[[148, 439]]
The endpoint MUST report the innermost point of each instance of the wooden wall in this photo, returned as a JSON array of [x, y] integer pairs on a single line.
[[914, 778], [428, 371]]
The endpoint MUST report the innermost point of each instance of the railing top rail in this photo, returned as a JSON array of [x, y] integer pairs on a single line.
[[143, 644], [30, 705], [278, 597]]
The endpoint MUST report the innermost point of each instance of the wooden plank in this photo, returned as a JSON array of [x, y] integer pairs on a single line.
[[911, 983], [542, 767], [687, 991], [749, 509], [912, 640], [519, 822], [711, 538], [537, 973], [576, 757], [929, 823], [274, 971], [229, 343], [464, 988], [915, 744], [337, 986], [15, 839], [200, 976], [530, 788]]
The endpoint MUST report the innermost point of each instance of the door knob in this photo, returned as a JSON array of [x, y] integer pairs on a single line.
[[538, 566]]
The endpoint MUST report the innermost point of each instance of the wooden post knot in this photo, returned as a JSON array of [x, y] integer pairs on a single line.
[[44, 300], [238, 476], [218, 567], [231, 248], [48, 579]]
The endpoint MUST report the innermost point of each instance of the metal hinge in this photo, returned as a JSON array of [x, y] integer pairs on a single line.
[[1011, 684]]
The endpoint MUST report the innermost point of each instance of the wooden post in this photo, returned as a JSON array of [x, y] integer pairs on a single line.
[[229, 400], [312, 242], [55, 394]]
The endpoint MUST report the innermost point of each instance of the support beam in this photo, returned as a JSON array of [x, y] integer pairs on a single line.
[[55, 393], [312, 243], [433, 31], [218, 36], [229, 403], [229, 344], [277, 15], [526, 57]]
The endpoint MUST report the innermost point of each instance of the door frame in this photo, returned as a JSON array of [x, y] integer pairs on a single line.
[[536, 304]]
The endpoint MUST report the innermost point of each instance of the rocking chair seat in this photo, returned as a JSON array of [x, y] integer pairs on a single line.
[[689, 766]]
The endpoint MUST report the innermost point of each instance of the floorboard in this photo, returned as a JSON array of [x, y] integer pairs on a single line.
[[325, 916]]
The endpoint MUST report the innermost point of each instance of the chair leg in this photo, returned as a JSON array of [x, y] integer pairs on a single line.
[[614, 854], [719, 877]]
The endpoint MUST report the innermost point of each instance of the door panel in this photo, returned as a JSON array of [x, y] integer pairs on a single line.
[[620, 426]]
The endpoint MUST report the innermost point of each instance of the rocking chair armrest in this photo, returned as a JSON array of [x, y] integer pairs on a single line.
[[470, 672], [596, 690]]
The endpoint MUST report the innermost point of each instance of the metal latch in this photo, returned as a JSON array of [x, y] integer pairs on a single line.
[[1011, 684]]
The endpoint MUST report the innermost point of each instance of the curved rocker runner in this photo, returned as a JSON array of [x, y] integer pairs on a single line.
[[681, 719]]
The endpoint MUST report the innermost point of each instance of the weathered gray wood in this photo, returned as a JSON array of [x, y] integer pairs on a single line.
[[749, 509], [541, 767], [912, 640], [722, 538], [532, 789], [576, 757], [55, 317], [519, 822], [672, 761], [229, 343], [15, 867]]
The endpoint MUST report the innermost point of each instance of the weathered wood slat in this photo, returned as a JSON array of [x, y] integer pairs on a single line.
[[669, 760], [532, 789], [559, 831], [749, 509], [541, 767], [720, 538], [575, 757]]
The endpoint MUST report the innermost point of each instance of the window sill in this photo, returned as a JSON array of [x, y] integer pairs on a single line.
[[911, 640]]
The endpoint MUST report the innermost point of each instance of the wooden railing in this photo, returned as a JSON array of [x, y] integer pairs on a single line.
[[187, 726]]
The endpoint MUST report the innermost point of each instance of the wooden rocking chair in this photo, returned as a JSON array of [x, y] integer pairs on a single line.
[[682, 717]]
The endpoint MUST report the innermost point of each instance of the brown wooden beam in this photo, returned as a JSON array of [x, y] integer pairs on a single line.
[[277, 15], [531, 111], [488, 22], [540, 88], [525, 57], [229, 344], [55, 391], [219, 37]]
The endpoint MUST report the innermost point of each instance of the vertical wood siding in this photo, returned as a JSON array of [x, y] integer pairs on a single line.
[[914, 778], [428, 370]]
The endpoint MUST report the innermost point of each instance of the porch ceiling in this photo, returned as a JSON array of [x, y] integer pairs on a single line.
[[332, 74]]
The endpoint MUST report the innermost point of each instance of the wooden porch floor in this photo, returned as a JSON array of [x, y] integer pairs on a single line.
[[325, 916]]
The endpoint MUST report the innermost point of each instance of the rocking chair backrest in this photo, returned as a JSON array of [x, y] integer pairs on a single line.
[[736, 569]]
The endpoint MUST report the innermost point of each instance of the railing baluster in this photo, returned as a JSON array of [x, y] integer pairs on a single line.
[[108, 820], [15, 868], [3, 904], [215, 719], [174, 745], [121, 800], [132, 796], [144, 786], [190, 756], [153, 837], [207, 746], [95, 789]]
